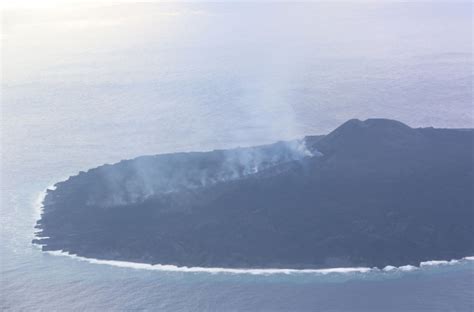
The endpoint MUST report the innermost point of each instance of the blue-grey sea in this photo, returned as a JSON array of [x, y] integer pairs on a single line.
[[93, 83]]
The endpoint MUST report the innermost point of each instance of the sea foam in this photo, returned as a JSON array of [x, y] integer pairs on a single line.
[[267, 271], [174, 268]]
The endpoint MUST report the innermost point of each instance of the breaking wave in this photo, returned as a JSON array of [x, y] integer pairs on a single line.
[[173, 268], [266, 271]]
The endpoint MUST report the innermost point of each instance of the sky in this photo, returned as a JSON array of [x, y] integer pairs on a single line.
[[56, 3], [239, 71]]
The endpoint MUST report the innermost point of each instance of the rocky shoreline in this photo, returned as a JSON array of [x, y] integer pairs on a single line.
[[371, 193]]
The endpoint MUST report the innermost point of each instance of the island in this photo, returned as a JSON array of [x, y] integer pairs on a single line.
[[370, 193]]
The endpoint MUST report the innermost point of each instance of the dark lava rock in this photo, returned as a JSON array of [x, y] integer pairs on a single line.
[[370, 193]]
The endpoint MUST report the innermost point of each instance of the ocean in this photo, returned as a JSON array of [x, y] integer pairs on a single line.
[[97, 83]]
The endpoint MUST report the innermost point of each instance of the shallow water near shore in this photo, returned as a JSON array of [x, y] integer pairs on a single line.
[[34, 280]]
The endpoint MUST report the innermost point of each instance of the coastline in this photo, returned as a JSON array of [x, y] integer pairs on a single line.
[[215, 270], [266, 271]]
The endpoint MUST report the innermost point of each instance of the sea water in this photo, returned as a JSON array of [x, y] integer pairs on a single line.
[[92, 86]]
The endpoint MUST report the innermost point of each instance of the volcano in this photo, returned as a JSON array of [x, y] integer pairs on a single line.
[[370, 193]]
